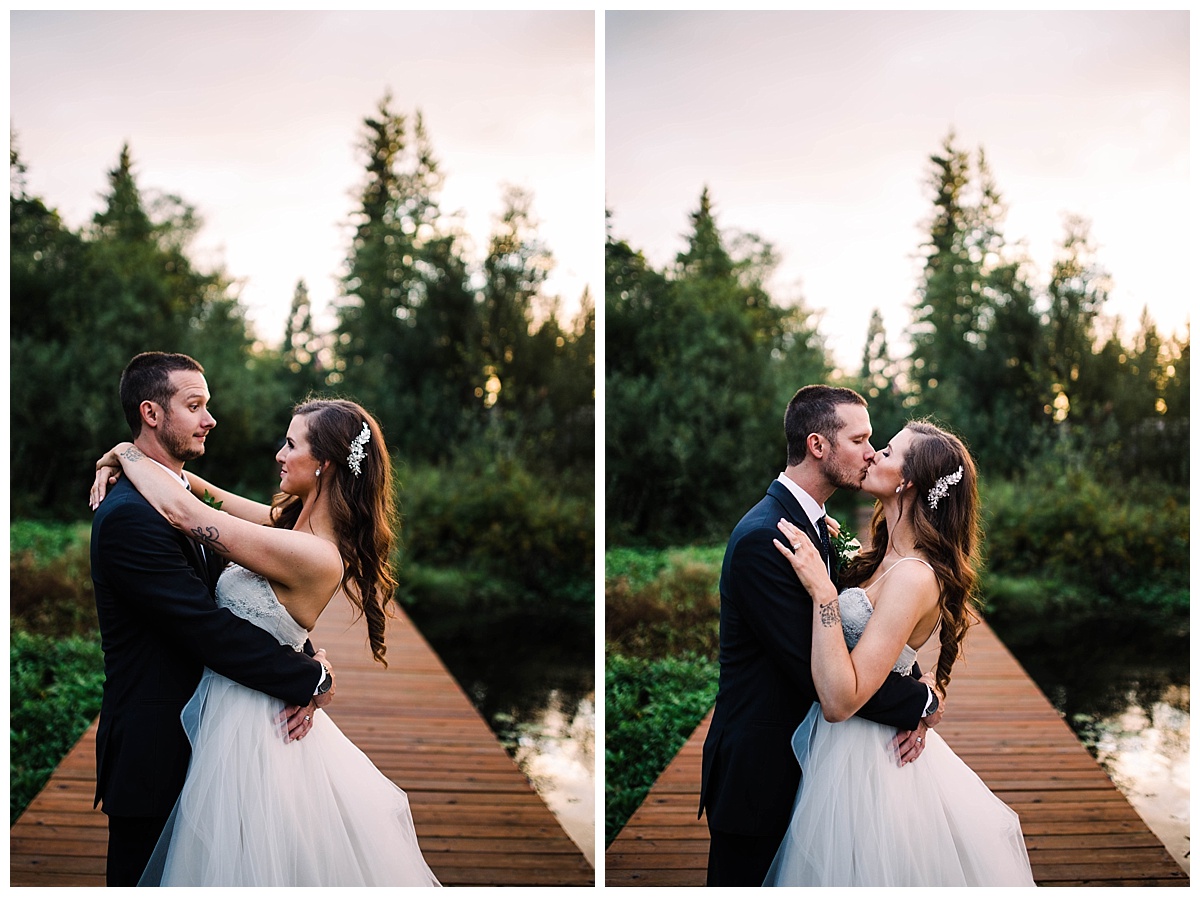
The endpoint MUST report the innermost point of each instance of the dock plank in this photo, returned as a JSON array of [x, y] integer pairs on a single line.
[[1079, 829], [478, 819]]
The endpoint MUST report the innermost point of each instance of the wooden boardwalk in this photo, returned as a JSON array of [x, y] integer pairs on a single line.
[[1079, 829], [478, 819]]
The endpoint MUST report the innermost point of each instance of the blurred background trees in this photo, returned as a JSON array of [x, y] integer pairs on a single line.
[[701, 361], [464, 361]]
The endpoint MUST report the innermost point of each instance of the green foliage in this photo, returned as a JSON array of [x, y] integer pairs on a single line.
[[700, 367], [662, 612], [651, 707], [50, 578], [54, 694], [1088, 543], [500, 527], [662, 603]]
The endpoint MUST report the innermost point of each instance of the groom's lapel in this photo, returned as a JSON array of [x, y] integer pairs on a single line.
[[793, 511], [796, 515]]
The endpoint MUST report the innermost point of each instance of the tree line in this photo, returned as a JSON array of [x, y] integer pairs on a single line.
[[701, 361], [458, 358]]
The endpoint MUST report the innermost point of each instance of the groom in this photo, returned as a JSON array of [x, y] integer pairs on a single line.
[[160, 625], [749, 774]]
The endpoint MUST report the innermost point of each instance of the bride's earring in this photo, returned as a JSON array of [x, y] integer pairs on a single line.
[[899, 488], [319, 473]]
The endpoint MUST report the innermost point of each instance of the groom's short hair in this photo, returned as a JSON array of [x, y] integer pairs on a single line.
[[147, 377], [813, 409]]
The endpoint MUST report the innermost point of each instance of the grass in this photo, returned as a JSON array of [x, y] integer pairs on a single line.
[[651, 707], [54, 694], [662, 612]]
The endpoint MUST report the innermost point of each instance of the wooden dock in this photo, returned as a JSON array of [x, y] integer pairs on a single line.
[[478, 819], [1079, 829]]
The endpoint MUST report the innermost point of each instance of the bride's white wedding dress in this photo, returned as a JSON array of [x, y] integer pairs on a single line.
[[859, 819], [256, 810]]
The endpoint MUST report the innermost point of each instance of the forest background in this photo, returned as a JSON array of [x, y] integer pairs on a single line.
[[484, 393], [1078, 423]]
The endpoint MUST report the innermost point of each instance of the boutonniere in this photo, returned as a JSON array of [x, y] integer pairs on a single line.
[[211, 500], [845, 547]]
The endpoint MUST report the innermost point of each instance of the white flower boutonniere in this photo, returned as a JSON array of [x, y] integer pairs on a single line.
[[845, 547]]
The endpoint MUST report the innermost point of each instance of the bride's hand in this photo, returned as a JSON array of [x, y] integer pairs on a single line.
[[108, 471], [105, 477], [835, 528], [804, 557]]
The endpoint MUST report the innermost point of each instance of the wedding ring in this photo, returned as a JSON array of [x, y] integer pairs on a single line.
[[308, 719], [919, 741], [796, 547]]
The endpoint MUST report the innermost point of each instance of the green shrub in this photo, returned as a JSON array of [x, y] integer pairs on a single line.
[[54, 694], [497, 519], [1109, 546], [662, 603], [651, 707], [50, 578]]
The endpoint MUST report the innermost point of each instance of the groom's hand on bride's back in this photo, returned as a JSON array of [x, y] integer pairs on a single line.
[[299, 720], [322, 700]]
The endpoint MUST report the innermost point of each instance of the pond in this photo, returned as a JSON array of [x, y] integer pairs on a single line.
[[1125, 692], [531, 675]]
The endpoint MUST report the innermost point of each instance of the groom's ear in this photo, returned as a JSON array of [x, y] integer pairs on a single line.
[[151, 413], [816, 445]]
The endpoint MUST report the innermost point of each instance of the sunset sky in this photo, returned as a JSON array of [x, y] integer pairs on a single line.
[[813, 130], [254, 119]]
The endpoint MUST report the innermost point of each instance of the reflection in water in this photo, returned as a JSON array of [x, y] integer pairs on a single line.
[[1125, 693], [557, 752], [1147, 754], [531, 676]]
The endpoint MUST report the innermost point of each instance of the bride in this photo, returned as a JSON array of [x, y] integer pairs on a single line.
[[255, 809], [860, 817]]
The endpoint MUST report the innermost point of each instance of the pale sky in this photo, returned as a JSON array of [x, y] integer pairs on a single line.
[[813, 130], [254, 119]]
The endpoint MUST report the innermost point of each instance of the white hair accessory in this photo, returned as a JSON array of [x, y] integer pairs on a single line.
[[942, 486], [356, 449]]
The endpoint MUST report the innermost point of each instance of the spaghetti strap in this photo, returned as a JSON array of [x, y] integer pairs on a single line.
[[894, 566]]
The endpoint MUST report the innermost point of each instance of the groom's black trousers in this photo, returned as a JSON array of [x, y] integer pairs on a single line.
[[739, 860], [131, 840]]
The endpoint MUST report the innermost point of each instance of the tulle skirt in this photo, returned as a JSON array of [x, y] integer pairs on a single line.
[[259, 811], [859, 819]]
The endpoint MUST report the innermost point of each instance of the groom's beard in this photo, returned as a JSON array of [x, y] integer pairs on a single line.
[[843, 476], [178, 445]]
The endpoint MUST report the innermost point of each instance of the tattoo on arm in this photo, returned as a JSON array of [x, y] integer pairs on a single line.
[[132, 454], [209, 536], [831, 615]]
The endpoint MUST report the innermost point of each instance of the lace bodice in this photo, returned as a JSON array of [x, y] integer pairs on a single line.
[[250, 597], [856, 610]]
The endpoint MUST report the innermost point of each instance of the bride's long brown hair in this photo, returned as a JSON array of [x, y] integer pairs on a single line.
[[362, 506], [948, 535]]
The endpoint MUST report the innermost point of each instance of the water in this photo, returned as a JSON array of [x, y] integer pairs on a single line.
[[531, 674], [1125, 692]]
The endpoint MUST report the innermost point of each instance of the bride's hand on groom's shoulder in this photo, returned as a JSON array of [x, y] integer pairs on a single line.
[[105, 478], [803, 556], [108, 471]]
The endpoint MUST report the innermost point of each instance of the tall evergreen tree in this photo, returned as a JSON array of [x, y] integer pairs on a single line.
[[697, 361], [977, 346], [408, 320]]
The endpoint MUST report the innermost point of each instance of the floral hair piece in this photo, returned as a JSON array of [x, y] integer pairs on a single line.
[[356, 449], [942, 486]]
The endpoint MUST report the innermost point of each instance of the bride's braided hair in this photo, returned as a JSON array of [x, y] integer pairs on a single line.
[[362, 507], [948, 535]]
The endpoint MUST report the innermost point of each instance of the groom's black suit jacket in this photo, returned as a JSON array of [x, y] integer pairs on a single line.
[[160, 626], [749, 774]]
